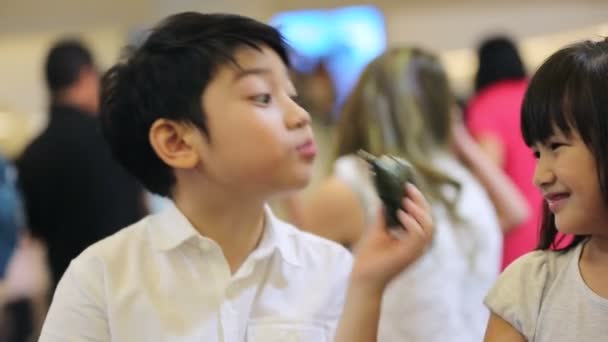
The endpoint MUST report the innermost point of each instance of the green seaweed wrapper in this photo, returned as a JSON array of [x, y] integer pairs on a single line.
[[390, 176]]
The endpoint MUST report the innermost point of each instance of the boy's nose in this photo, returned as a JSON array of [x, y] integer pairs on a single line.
[[298, 117]]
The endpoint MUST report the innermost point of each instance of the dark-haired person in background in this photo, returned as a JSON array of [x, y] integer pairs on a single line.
[[493, 118], [75, 193]]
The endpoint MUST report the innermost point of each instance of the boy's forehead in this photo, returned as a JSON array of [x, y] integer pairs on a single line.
[[248, 60]]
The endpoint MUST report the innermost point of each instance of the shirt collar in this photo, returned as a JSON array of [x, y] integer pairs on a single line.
[[171, 229], [278, 236]]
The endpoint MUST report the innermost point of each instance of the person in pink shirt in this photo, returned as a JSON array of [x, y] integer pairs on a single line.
[[493, 118]]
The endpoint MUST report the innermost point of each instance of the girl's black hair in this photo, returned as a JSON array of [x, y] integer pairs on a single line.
[[570, 93]]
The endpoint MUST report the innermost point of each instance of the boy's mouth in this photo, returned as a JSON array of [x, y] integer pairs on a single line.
[[308, 149]]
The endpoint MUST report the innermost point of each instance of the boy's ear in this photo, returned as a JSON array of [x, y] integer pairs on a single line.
[[174, 143]]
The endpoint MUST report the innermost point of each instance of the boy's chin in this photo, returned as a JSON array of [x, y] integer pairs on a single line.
[[299, 185], [293, 188]]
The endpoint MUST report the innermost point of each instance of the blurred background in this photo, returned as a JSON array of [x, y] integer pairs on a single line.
[[452, 28]]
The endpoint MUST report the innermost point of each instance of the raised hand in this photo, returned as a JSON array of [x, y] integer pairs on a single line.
[[384, 252]]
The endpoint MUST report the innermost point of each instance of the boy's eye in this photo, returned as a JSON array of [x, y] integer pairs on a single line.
[[555, 145], [263, 98]]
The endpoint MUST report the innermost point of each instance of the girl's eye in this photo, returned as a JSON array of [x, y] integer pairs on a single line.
[[263, 98], [554, 146]]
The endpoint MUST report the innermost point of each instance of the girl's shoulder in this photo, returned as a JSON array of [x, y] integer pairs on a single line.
[[520, 290], [541, 266]]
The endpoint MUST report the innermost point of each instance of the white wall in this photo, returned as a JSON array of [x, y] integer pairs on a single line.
[[17, 16]]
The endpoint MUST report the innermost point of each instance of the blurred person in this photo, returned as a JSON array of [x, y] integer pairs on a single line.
[[493, 118], [316, 92], [23, 271], [11, 222], [75, 193], [402, 105], [24, 291]]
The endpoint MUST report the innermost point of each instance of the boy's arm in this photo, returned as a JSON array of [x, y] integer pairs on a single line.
[[359, 321], [379, 257], [78, 312]]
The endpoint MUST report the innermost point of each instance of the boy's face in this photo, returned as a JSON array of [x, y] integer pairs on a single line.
[[260, 138]]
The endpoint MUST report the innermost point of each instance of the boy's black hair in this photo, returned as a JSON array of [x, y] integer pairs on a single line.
[[499, 60], [568, 93], [64, 61], [165, 78]]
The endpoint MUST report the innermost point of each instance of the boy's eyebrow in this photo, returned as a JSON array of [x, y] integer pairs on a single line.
[[253, 71]]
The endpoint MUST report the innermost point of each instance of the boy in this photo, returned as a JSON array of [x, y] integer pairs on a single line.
[[204, 113]]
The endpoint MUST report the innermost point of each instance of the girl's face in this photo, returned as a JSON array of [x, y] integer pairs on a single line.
[[566, 174]]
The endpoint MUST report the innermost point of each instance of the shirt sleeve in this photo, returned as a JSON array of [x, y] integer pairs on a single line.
[[77, 312], [517, 295]]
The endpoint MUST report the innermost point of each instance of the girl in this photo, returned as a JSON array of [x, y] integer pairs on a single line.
[[565, 122], [402, 106]]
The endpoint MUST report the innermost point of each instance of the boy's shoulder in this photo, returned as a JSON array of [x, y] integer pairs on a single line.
[[126, 240], [309, 248], [153, 233]]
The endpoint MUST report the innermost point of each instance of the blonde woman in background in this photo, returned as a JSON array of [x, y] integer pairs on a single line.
[[402, 105]]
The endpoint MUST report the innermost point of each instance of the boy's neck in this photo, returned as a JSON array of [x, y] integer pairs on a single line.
[[235, 223]]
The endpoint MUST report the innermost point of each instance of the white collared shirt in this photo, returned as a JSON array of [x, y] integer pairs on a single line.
[[159, 280]]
